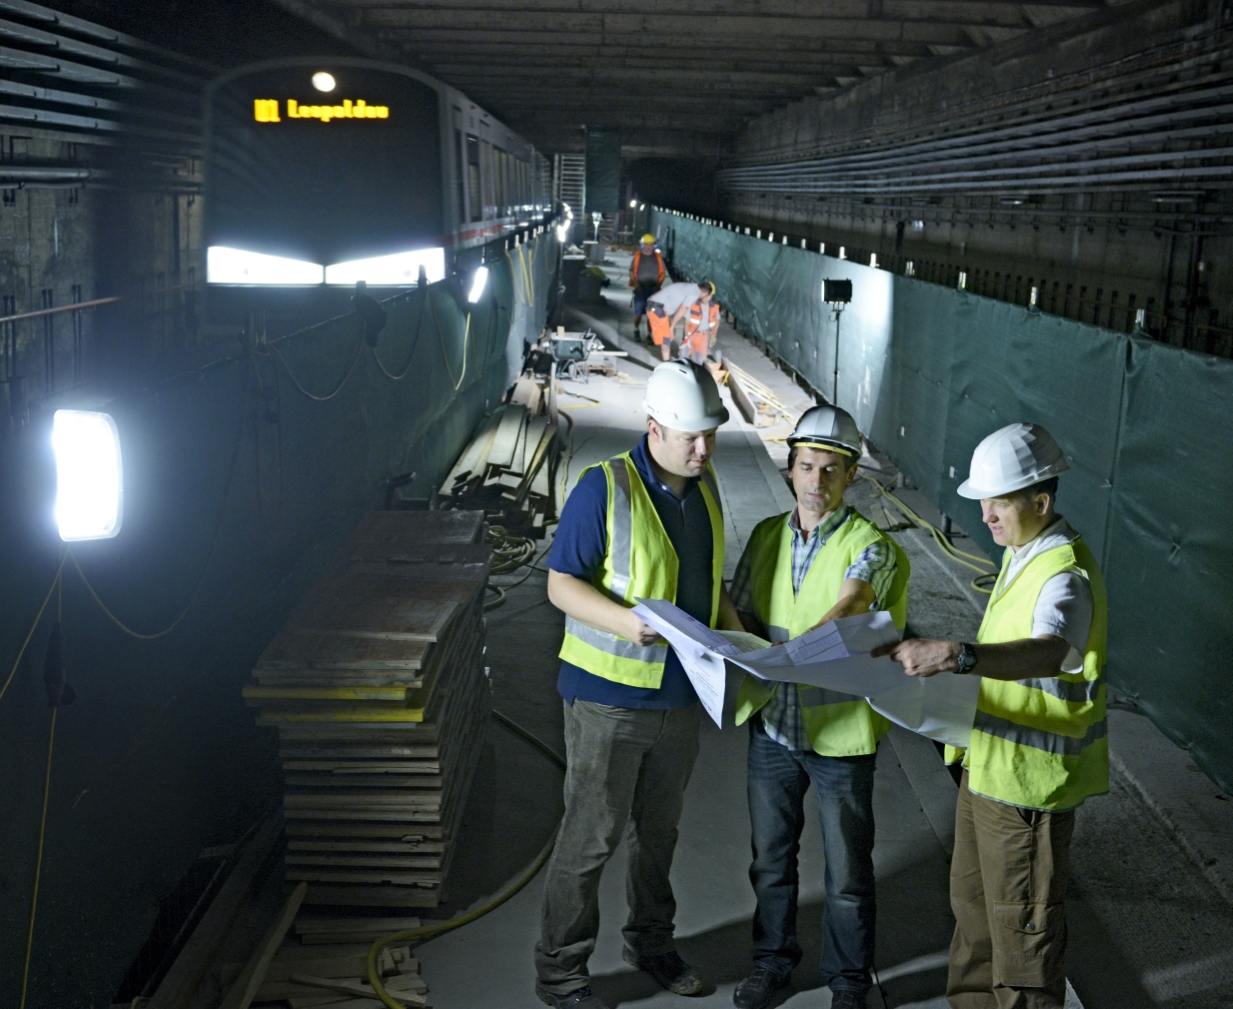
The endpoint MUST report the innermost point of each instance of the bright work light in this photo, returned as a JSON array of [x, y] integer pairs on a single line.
[[478, 284], [399, 270], [238, 266], [89, 480], [323, 81]]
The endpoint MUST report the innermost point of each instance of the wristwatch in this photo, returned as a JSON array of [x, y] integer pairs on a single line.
[[967, 658]]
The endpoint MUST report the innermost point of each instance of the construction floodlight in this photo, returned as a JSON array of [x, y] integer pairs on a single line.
[[89, 475], [837, 292]]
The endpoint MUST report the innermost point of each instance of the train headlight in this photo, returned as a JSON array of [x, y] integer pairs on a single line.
[[399, 270], [239, 266], [478, 283], [89, 477]]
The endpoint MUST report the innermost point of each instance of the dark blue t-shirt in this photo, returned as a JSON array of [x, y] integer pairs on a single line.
[[579, 547]]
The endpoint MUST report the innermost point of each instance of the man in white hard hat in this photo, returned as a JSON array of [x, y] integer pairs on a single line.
[[820, 561], [669, 305], [646, 524], [1039, 744]]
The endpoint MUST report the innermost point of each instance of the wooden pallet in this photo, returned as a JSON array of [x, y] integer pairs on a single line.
[[377, 687]]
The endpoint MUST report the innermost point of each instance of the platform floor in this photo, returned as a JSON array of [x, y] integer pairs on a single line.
[[1148, 929]]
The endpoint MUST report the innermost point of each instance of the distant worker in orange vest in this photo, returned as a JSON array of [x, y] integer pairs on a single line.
[[666, 307], [701, 328], [646, 276]]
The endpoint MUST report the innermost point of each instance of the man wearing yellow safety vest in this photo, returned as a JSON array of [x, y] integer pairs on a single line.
[[646, 524], [818, 562], [1039, 744]]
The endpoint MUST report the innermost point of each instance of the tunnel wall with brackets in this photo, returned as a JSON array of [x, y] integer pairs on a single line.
[[241, 480]]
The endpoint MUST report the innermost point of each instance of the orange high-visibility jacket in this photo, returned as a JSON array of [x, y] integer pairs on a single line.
[[633, 269], [694, 323]]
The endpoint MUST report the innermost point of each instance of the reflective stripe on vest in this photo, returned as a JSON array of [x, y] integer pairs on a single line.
[[695, 317], [838, 724], [639, 562], [1042, 743]]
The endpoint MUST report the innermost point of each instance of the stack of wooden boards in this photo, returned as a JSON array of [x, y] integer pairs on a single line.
[[509, 469], [377, 687]]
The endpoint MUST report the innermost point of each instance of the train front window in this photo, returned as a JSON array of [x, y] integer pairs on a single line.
[[475, 199]]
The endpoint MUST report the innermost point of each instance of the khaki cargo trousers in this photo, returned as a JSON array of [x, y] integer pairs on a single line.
[[1008, 880]]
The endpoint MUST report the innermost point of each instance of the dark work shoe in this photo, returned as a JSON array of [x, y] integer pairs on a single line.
[[669, 970], [848, 1000], [583, 998], [757, 990]]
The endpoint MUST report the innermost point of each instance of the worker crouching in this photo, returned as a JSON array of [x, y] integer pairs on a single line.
[[646, 524], [671, 305], [818, 562], [1039, 745]]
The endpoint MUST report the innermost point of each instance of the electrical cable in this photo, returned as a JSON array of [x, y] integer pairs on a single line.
[[34, 626], [972, 561], [218, 525], [38, 861], [440, 928], [359, 349], [415, 342]]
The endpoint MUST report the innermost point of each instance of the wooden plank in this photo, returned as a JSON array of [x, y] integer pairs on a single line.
[[334, 1002], [180, 983], [356, 752], [336, 895], [413, 782], [365, 766], [325, 693], [403, 995], [240, 995], [323, 965], [355, 860], [384, 926], [380, 532], [512, 421], [474, 458], [416, 832]]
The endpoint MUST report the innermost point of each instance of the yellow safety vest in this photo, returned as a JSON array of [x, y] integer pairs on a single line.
[[1042, 743], [639, 563], [838, 725]]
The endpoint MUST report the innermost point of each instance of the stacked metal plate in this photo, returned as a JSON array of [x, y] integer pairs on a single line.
[[377, 687]]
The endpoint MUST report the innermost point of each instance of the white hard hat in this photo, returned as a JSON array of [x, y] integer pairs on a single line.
[[683, 396], [827, 427], [1010, 459]]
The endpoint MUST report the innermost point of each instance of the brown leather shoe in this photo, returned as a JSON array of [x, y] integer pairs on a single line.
[[669, 970]]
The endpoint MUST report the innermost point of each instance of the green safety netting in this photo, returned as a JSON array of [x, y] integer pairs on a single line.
[[928, 371]]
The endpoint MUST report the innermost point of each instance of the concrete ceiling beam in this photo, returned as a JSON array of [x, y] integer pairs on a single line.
[[755, 52], [660, 28]]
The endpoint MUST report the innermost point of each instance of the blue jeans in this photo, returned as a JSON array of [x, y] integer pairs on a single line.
[[843, 786]]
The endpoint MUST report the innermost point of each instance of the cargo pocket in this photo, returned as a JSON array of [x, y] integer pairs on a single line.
[[1028, 937]]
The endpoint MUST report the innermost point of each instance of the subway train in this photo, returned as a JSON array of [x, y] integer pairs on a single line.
[[323, 172]]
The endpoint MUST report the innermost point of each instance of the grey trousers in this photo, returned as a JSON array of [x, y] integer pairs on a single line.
[[627, 773]]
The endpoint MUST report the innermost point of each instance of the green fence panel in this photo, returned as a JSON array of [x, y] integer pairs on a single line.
[[929, 371], [1170, 549]]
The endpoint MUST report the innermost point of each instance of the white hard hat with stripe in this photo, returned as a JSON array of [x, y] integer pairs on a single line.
[[827, 427]]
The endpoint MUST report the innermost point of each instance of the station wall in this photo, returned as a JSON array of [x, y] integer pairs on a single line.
[[929, 370], [241, 479]]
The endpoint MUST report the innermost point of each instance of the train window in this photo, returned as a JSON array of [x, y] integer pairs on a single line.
[[486, 161], [474, 196], [460, 195]]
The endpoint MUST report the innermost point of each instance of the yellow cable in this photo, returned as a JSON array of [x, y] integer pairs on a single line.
[[972, 561], [123, 626], [466, 333], [39, 616], [38, 863]]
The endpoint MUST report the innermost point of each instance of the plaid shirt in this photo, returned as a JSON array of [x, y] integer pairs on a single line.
[[782, 716]]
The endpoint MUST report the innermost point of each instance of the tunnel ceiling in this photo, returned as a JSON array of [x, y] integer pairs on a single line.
[[677, 75]]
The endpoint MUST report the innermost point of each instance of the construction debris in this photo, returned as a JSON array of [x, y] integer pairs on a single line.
[[377, 687]]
